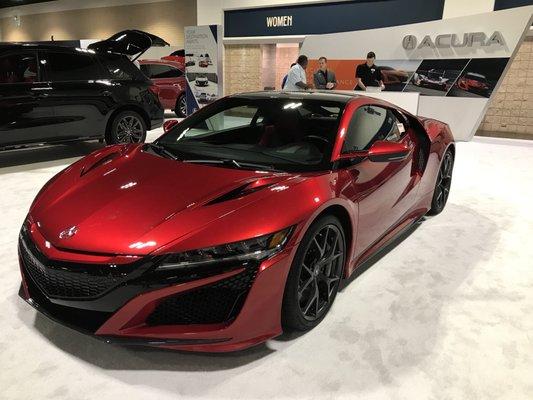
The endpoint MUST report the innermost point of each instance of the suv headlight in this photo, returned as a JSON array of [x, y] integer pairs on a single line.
[[258, 248]]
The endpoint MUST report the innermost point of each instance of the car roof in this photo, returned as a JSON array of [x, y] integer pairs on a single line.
[[33, 46], [325, 95], [40, 46], [160, 61]]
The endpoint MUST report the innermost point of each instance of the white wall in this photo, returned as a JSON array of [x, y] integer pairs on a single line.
[[65, 5], [460, 8]]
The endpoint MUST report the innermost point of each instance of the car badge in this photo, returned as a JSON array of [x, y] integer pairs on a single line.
[[68, 233]]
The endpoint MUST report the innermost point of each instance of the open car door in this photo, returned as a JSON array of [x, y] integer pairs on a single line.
[[131, 42]]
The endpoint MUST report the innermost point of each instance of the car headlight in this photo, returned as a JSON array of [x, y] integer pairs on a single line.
[[258, 248]]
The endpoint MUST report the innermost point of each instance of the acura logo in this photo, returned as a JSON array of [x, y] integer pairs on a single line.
[[409, 42], [68, 233], [449, 40]]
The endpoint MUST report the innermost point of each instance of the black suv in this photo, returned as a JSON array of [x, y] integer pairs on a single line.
[[53, 94]]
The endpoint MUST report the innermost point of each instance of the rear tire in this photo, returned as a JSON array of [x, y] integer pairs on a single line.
[[443, 184], [127, 127], [315, 274], [181, 107]]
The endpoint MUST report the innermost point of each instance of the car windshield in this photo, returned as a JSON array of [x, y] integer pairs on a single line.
[[475, 77], [274, 133], [435, 75]]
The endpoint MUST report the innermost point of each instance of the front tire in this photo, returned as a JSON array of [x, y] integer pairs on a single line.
[[443, 184], [127, 127], [181, 107], [315, 274]]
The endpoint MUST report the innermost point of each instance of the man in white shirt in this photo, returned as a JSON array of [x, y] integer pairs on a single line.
[[296, 79]]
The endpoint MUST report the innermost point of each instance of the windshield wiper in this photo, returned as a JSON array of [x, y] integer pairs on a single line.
[[162, 151], [231, 163]]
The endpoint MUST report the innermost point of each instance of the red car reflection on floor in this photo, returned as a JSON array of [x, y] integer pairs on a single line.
[[169, 77], [235, 225]]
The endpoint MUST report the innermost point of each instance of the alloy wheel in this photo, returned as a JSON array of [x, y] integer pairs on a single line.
[[321, 272], [183, 106], [444, 181], [130, 130]]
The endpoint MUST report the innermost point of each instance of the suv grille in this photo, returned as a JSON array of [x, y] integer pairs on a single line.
[[215, 303], [61, 280]]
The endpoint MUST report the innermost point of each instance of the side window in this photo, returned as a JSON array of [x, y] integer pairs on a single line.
[[19, 68], [145, 69], [368, 124], [72, 67], [159, 71], [120, 68]]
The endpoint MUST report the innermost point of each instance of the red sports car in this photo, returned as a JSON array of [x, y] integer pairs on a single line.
[[476, 83], [235, 225], [169, 77]]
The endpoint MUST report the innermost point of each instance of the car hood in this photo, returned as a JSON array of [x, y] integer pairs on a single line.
[[125, 200], [129, 42]]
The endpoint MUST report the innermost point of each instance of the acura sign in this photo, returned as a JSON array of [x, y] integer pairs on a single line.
[[451, 40]]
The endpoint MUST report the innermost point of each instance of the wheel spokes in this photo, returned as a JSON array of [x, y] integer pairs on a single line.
[[320, 274]]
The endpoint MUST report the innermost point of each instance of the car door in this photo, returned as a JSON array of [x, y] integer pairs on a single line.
[[81, 94], [385, 191], [26, 116], [169, 79]]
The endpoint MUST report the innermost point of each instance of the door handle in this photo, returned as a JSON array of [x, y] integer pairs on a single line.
[[106, 93]]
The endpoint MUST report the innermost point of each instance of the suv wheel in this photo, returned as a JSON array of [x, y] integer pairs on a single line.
[[127, 127], [181, 107]]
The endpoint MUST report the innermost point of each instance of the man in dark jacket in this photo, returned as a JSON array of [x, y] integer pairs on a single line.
[[324, 78]]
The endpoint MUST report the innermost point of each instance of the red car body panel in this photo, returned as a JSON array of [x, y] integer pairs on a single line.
[[170, 89], [135, 204]]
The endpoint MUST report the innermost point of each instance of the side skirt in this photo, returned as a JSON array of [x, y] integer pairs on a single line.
[[378, 249]]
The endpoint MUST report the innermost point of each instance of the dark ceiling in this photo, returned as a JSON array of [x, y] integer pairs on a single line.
[[13, 3]]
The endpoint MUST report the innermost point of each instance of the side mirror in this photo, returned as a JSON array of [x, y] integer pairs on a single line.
[[383, 151], [169, 124]]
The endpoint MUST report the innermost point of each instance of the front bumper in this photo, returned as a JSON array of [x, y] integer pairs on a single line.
[[139, 311]]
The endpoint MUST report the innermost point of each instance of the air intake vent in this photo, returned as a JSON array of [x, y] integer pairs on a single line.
[[241, 191], [102, 161]]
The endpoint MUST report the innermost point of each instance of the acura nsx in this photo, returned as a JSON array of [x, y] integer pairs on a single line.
[[237, 224]]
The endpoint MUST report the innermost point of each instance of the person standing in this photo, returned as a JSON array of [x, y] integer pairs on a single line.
[[368, 74], [284, 80], [296, 79], [324, 78]]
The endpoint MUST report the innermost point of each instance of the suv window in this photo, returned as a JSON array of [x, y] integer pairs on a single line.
[[120, 68], [72, 67], [19, 68], [159, 71], [368, 124]]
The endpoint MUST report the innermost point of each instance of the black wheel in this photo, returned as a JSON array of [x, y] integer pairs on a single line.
[[181, 107], [442, 187], [315, 275], [127, 127]]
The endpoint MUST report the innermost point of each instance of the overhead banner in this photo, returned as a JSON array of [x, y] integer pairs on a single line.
[[340, 16], [203, 65], [454, 64]]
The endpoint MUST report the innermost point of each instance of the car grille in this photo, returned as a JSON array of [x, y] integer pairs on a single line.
[[68, 281], [215, 303]]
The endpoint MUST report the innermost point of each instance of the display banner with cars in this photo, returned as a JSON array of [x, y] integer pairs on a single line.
[[203, 65], [455, 63]]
